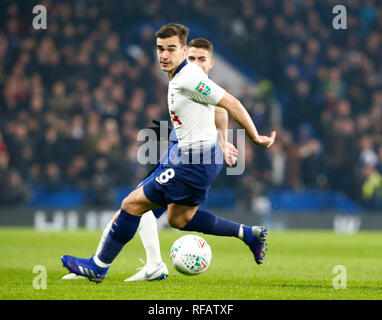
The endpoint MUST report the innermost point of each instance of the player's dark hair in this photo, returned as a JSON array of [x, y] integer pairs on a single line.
[[202, 43], [173, 29]]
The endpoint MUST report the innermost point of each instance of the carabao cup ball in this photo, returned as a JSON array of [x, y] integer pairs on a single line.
[[191, 255]]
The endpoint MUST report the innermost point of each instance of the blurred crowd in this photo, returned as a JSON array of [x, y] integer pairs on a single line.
[[74, 96]]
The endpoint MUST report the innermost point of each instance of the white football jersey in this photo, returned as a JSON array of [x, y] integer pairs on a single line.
[[192, 97]]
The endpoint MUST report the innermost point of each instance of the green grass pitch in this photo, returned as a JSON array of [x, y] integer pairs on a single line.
[[299, 265]]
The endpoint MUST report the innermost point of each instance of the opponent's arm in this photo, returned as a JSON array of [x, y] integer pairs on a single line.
[[229, 150], [221, 122], [241, 116]]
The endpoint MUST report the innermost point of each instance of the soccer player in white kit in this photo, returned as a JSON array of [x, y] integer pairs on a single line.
[[200, 52], [181, 186]]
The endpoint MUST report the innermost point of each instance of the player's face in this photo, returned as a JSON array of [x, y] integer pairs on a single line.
[[201, 57], [170, 53]]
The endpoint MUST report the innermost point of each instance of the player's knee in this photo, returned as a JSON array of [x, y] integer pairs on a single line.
[[125, 205], [130, 204], [173, 222], [177, 221], [136, 203]]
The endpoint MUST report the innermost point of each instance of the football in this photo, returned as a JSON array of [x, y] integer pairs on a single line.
[[191, 255]]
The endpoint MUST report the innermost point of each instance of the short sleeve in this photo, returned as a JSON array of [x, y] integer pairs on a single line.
[[199, 88]]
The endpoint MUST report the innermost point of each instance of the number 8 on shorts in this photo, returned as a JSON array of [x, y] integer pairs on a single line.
[[165, 176]]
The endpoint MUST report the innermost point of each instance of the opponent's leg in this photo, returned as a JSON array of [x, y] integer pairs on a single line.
[[190, 219], [148, 232], [155, 268]]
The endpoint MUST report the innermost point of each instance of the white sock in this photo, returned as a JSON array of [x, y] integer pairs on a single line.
[[148, 231]]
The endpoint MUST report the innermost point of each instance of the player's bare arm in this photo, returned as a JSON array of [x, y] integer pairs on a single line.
[[221, 122], [241, 116]]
